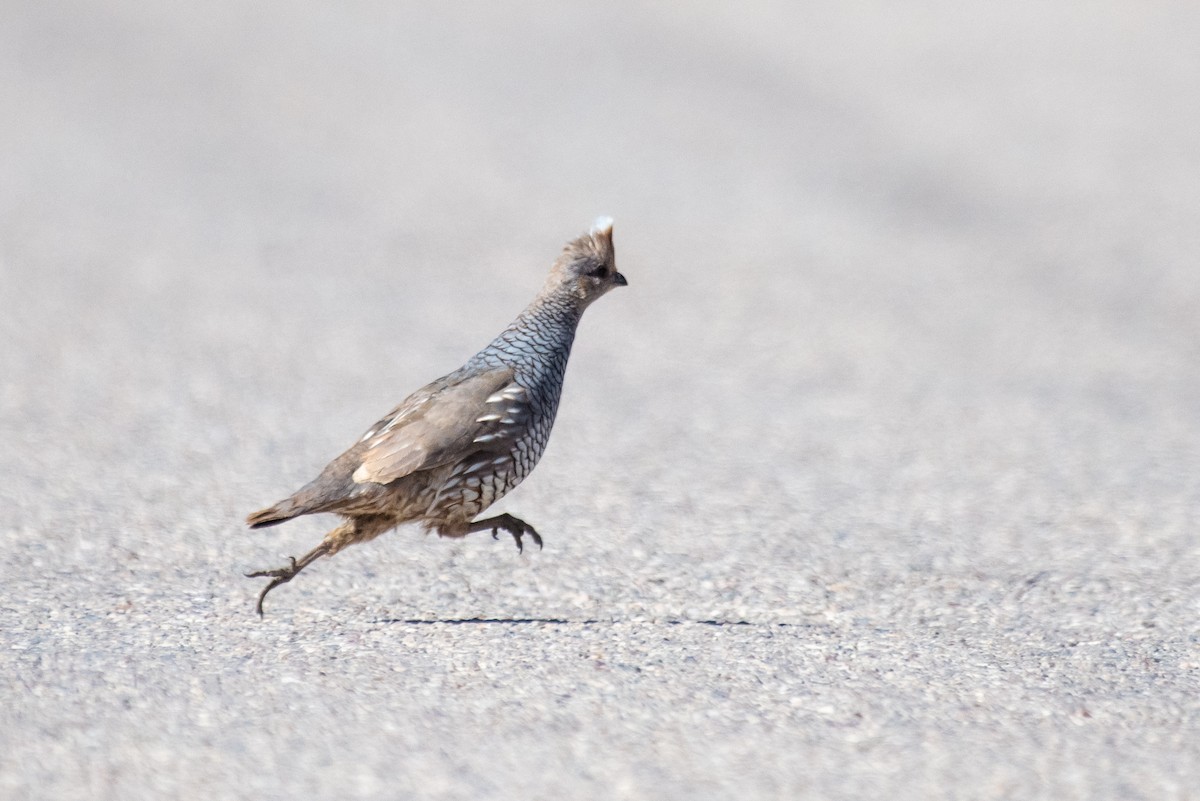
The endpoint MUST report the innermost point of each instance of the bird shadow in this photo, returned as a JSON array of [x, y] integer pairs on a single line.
[[560, 621]]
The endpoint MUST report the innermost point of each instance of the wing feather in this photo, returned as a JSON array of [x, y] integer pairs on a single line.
[[447, 421]]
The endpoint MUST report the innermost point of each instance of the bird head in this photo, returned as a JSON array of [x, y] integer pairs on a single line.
[[587, 267]]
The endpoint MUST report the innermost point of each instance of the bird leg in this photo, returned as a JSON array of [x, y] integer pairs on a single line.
[[285, 574], [513, 525]]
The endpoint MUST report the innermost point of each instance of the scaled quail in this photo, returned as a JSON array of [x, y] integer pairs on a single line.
[[456, 446]]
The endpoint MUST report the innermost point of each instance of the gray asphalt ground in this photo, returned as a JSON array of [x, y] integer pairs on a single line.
[[882, 478]]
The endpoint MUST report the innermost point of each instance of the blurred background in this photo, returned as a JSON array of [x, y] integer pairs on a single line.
[[912, 337]]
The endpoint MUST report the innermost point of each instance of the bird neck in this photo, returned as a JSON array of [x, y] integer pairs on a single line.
[[558, 310], [542, 334]]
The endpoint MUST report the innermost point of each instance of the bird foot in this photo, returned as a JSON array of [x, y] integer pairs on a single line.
[[279, 576], [285, 573], [518, 529]]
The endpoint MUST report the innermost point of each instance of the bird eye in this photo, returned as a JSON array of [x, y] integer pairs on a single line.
[[599, 272]]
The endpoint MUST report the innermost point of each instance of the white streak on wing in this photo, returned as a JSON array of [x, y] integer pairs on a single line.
[[486, 437], [487, 418], [513, 393]]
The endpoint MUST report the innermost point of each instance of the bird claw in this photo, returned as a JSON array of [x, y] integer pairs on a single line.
[[284, 573], [278, 576], [518, 531], [536, 537]]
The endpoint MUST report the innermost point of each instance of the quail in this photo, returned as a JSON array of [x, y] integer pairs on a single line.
[[459, 444]]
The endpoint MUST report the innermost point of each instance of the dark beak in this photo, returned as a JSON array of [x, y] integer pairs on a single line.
[[619, 280]]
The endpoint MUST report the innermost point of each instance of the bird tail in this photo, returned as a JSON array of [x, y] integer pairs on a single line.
[[274, 515]]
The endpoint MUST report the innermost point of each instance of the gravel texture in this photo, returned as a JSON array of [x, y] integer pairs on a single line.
[[882, 478]]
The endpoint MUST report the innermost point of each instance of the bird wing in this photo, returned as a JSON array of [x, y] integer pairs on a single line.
[[441, 423]]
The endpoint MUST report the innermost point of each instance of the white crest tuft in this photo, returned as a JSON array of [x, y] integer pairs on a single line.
[[603, 226]]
